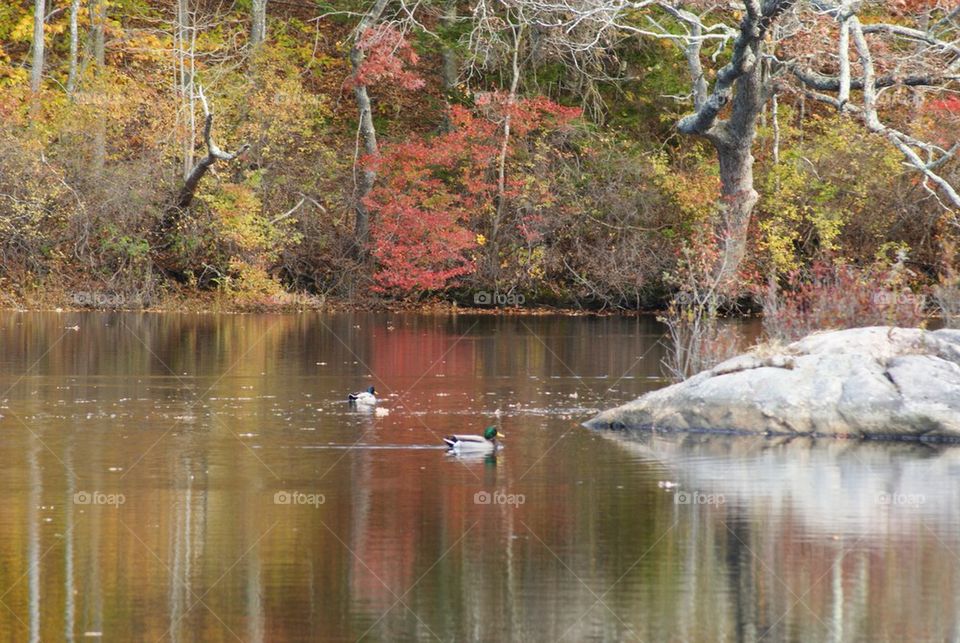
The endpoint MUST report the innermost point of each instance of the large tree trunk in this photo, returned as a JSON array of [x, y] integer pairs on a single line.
[[367, 130], [737, 200], [258, 23], [741, 83], [36, 59], [74, 38], [367, 174], [734, 144]]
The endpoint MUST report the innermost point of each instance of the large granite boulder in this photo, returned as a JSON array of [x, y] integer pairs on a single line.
[[865, 382]]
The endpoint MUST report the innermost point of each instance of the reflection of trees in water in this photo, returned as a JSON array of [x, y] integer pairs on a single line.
[[808, 550], [187, 536], [200, 500], [33, 539], [69, 582]]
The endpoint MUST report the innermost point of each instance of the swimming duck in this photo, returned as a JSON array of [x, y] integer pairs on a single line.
[[368, 397], [475, 443]]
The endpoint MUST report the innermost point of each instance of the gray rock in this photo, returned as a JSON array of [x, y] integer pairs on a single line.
[[878, 381]]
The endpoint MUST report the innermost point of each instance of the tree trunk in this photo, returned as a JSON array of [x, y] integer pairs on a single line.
[[367, 131], [74, 37], [737, 200], [36, 60], [173, 214], [214, 154], [741, 85], [734, 145], [494, 241], [368, 175], [98, 28], [449, 69], [184, 42], [258, 23]]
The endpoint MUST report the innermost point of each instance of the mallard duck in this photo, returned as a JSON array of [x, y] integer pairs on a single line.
[[475, 443], [368, 397]]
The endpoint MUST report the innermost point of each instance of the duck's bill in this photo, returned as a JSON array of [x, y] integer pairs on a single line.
[[501, 435]]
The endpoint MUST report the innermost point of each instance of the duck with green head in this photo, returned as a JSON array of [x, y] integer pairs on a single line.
[[475, 443]]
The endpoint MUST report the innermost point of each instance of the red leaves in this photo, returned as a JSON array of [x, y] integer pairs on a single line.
[[387, 56], [838, 295], [949, 105], [526, 114], [434, 194], [429, 188], [419, 248]]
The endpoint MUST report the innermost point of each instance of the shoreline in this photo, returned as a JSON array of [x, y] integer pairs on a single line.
[[214, 305]]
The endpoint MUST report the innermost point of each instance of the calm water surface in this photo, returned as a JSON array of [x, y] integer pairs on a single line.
[[199, 477]]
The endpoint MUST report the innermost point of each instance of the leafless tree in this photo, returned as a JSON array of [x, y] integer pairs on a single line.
[[214, 154], [754, 36]]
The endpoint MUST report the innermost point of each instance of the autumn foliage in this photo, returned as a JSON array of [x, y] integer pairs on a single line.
[[388, 56], [481, 183], [428, 190], [436, 194]]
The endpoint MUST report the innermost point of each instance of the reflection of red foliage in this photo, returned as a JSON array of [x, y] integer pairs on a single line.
[[431, 189], [387, 56]]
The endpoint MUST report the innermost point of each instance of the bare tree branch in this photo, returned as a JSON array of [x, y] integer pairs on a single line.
[[214, 154]]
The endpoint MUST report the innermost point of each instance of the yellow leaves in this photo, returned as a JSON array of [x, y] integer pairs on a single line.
[[778, 241], [23, 30], [13, 76], [481, 240], [533, 261], [250, 285]]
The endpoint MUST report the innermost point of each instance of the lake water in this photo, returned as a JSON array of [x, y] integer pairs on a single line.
[[200, 477]]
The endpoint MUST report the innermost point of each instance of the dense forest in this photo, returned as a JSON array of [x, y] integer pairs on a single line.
[[601, 154]]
